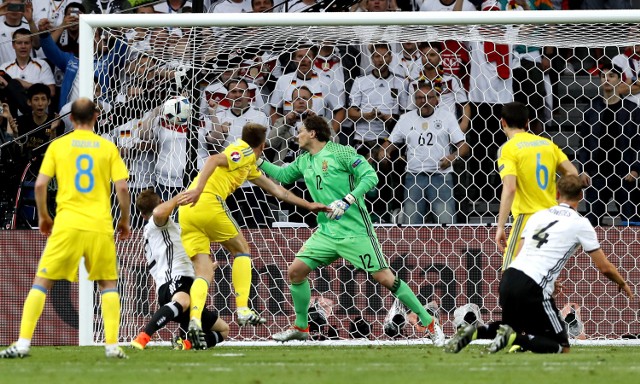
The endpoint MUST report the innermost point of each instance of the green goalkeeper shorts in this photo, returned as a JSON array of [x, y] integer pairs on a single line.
[[364, 252]]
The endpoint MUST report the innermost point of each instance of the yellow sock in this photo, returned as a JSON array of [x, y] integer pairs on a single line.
[[111, 315], [241, 279], [198, 293], [33, 306]]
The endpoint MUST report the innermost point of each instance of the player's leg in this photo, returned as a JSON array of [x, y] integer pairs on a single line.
[[59, 261], [366, 253], [241, 278], [100, 262], [173, 296], [514, 240], [324, 253], [216, 329], [32, 310]]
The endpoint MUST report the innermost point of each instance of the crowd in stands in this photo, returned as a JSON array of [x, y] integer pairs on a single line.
[[425, 114]]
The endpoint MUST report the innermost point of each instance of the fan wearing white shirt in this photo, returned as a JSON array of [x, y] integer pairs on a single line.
[[428, 133], [530, 319], [248, 203]]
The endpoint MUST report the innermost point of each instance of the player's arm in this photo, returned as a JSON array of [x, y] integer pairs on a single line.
[[609, 270], [287, 196], [45, 223], [124, 200], [506, 201], [191, 196], [162, 212], [567, 168], [284, 175], [365, 175]]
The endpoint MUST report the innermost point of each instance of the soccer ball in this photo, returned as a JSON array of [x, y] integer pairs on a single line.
[[176, 110]]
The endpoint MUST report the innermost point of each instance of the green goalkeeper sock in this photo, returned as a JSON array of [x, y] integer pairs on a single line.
[[301, 295], [402, 291]]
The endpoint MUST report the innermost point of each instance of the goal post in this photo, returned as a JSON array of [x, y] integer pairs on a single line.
[[449, 265]]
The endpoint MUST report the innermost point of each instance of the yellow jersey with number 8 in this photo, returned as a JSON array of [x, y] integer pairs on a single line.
[[84, 164]]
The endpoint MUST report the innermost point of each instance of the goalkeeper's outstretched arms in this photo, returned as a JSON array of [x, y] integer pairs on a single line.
[[287, 196]]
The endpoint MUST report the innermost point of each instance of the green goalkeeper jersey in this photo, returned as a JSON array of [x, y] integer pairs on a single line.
[[330, 175]]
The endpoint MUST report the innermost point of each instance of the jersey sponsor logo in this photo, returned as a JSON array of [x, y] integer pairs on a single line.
[[235, 156], [325, 166], [356, 163]]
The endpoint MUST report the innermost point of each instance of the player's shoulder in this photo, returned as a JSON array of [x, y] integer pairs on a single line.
[[344, 154]]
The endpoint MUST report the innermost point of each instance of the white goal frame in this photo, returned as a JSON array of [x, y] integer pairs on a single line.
[[88, 24]]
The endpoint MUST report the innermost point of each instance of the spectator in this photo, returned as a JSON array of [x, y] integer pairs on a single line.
[[67, 37], [428, 134], [606, 4], [11, 22], [629, 62], [261, 6], [9, 168], [23, 68], [408, 62], [105, 6], [283, 136], [326, 101], [491, 85], [54, 11], [609, 154], [248, 203], [231, 6], [107, 62], [41, 125], [173, 6], [376, 102], [452, 94], [137, 151]]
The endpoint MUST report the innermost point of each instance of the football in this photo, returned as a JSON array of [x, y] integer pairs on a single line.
[[176, 110]]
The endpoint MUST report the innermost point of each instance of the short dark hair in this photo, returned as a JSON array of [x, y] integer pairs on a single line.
[[83, 111], [20, 31], [319, 126], [570, 187], [254, 134], [606, 65], [79, 6], [515, 114], [374, 47], [39, 89], [146, 201]]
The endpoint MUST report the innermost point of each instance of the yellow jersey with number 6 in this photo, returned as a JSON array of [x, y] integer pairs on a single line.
[[84, 164], [533, 160]]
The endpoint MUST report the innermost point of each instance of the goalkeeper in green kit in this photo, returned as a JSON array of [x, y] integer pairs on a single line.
[[338, 177]]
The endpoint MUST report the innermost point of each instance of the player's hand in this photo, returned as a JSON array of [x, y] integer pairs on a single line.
[[190, 196], [586, 180], [339, 207], [626, 290], [123, 229], [631, 177], [317, 207], [557, 287], [291, 117], [43, 24], [501, 239], [45, 223]]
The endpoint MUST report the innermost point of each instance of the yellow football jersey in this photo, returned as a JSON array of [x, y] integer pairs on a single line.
[[224, 181], [84, 164], [533, 160]]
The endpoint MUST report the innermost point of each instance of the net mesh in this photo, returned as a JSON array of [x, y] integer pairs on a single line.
[[139, 68]]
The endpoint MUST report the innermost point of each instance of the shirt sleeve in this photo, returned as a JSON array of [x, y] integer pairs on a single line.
[[284, 175], [48, 166], [587, 236], [506, 162], [118, 168]]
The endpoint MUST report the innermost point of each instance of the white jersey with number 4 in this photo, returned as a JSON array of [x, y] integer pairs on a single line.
[[551, 237], [166, 257]]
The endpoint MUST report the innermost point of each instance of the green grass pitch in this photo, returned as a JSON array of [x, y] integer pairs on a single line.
[[323, 364]]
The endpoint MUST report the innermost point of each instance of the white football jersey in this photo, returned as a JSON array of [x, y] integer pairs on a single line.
[[551, 237], [166, 257], [485, 84], [428, 139]]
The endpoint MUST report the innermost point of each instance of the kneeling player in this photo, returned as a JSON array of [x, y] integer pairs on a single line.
[[530, 318], [173, 274]]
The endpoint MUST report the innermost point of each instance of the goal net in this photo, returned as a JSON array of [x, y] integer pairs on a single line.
[[271, 70]]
